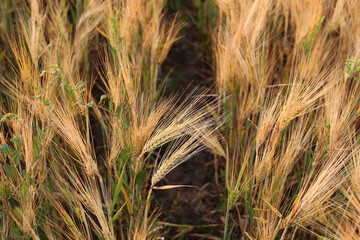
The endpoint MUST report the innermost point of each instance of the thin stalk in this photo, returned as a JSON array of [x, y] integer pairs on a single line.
[[147, 208], [228, 197], [154, 75], [227, 167], [226, 218], [287, 225], [87, 128], [216, 170], [132, 205], [293, 236], [133, 187], [215, 156], [284, 232]]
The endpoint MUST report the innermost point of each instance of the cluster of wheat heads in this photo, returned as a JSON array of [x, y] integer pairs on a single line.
[[288, 77], [76, 164], [85, 137]]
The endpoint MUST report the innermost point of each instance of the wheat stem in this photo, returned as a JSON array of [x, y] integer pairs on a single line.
[[227, 217]]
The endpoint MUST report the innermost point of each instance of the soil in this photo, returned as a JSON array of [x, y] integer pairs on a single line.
[[195, 206], [191, 63]]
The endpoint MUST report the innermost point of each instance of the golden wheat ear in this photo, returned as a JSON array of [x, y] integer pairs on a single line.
[[179, 151], [180, 121], [189, 128]]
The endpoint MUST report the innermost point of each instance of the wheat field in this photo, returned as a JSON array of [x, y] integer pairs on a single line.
[[112, 110]]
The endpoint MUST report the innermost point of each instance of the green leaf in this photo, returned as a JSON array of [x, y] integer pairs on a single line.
[[311, 37], [119, 111], [113, 52], [6, 116], [56, 77], [97, 234], [79, 85], [348, 68], [42, 234], [90, 104], [25, 185], [81, 102], [43, 72], [117, 214], [37, 96], [140, 178], [120, 40], [102, 98], [3, 213], [7, 149], [230, 232], [197, 3], [42, 90], [308, 161], [124, 156], [23, 189], [36, 151], [15, 232], [17, 140], [118, 189], [11, 171], [298, 177], [162, 84], [319, 25], [13, 203], [69, 90], [16, 156], [53, 66]]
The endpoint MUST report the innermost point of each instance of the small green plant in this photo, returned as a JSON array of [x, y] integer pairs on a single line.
[[352, 67], [311, 37], [11, 116]]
